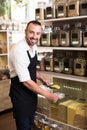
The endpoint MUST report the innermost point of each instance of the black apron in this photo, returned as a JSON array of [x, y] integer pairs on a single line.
[[24, 100]]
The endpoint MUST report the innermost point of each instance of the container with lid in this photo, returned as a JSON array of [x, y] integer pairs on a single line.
[[73, 7], [55, 37], [61, 8], [85, 37], [58, 61], [40, 62], [76, 35], [80, 65], [68, 66], [49, 62], [68, 63], [58, 64], [50, 10], [64, 36], [40, 11], [46, 35], [83, 7]]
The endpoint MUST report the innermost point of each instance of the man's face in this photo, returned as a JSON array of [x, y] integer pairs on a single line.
[[33, 34]]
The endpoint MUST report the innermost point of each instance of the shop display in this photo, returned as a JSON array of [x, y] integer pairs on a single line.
[[66, 64]]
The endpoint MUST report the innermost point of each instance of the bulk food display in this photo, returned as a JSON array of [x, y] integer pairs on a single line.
[[65, 35]]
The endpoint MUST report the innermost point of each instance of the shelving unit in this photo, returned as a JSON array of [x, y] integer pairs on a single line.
[[72, 82], [7, 39]]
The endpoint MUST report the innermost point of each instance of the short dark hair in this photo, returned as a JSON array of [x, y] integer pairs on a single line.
[[33, 22]]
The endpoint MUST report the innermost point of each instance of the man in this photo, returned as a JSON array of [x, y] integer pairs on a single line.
[[24, 89]]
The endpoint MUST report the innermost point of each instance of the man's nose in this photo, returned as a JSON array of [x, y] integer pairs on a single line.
[[35, 35]]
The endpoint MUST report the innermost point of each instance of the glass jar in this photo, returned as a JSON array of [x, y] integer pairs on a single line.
[[61, 8], [73, 7], [55, 37], [83, 7], [50, 10], [40, 62], [40, 11], [76, 35], [85, 37], [49, 62], [46, 37], [80, 64], [68, 65], [64, 35]]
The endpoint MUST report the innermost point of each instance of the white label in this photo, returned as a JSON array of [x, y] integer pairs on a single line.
[[85, 43], [66, 69], [49, 15], [63, 42], [62, 14], [75, 42]]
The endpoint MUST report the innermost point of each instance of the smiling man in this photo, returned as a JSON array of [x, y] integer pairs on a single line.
[[23, 73]]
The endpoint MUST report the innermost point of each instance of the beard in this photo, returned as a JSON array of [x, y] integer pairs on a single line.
[[32, 41]]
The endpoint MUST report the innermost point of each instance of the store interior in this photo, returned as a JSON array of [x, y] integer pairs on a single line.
[[62, 57]]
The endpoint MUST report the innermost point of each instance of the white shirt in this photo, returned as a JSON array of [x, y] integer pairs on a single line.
[[19, 60]]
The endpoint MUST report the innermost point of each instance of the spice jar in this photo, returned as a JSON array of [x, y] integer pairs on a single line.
[[61, 8], [40, 11], [73, 7], [83, 7], [80, 64], [76, 36]]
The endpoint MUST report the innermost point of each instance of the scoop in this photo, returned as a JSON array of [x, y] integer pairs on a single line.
[[54, 86]]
